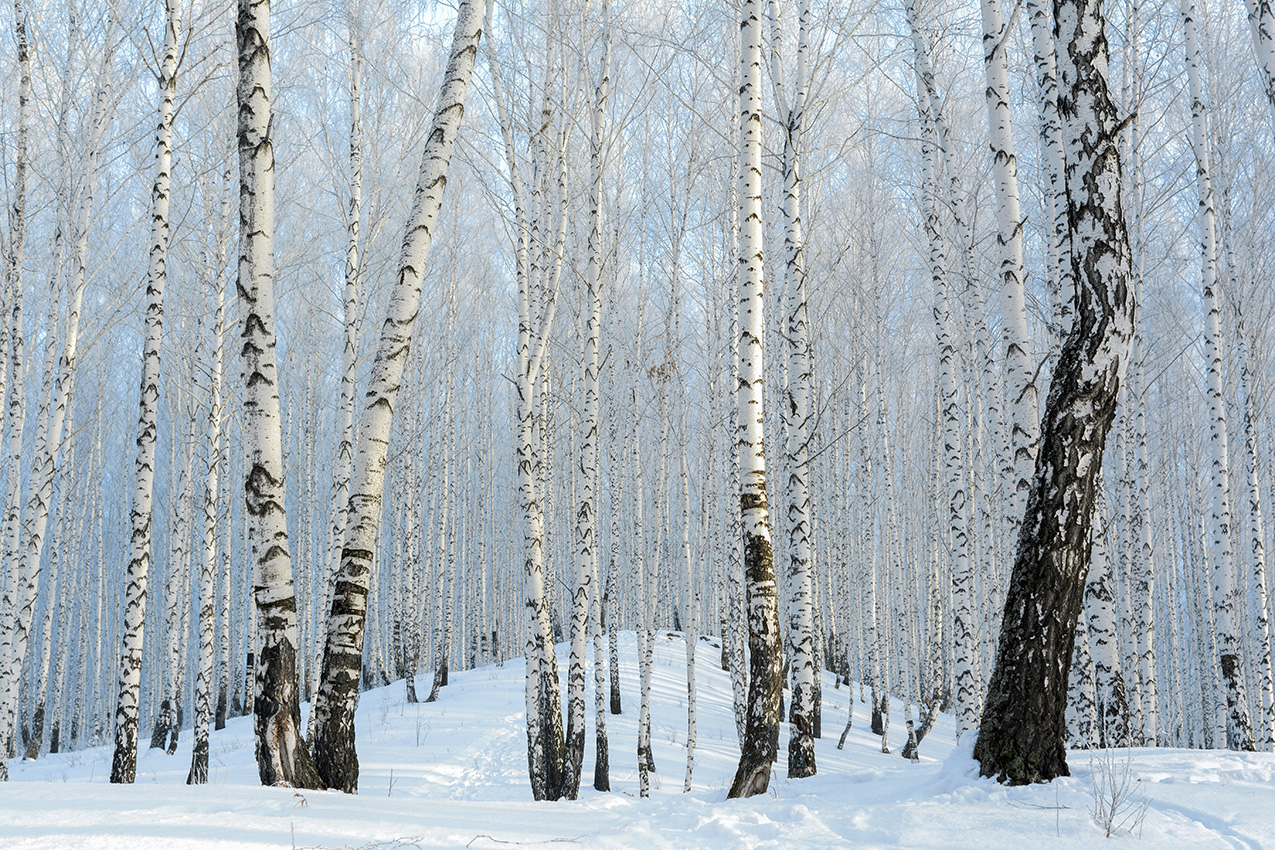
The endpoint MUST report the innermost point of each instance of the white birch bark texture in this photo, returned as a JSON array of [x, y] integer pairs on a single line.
[[586, 531], [965, 640], [593, 278], [761, 734], [12, 368], [26, 566], [1239, 729], [1259, 621], [1261, 21], [798, 412], [334, 753], [540, 234], [1112, 704], [691, 624], [349, 354], [198, 774], [1020, 383], [282, 757], [1061, 278], [1022, 734]]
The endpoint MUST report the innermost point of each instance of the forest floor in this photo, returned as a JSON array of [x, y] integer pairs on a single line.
[[453, 774]]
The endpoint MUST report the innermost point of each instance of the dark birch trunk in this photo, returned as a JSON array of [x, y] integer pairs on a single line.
[[1021, 738]]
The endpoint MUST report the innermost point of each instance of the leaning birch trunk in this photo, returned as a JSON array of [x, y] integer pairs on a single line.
[[586, 531], [198, 774], [128, 696], [761, 735], [1021, 737], [798, 413], [338, 694], [26, 566], [965, 641], [282, 757], [1239, 729], [1020, 384], [349, 355], [1261, 20]]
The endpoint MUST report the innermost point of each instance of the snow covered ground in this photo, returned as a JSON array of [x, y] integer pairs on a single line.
[[453, 774]]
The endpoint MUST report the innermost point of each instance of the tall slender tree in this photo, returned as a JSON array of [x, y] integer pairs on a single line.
[[282, 757], [760, 745], [334, 753]]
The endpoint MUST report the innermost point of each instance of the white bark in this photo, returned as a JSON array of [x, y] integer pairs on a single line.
[[208, 546], [760, 745], [1024, 414], [964, 638], [798, 410], [586, 531], [25, 570], [1261, 19], [342, 660], [1239, 731], [282, 758]]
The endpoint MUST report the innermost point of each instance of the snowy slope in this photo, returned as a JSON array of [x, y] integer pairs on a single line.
[[453, 774]]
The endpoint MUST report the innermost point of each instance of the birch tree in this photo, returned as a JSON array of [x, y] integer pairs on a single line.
[[798, 408], [208, 545], [1020, 384], [1261, 21], [333, 744], [14, 417], [1021, 736], [1239, 728], [282, 757], [957, 528], [760, 745], [587, 510]]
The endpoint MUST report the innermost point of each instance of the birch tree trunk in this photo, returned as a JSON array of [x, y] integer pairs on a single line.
[[964, 639], [1239, 728], [1112, 708], [349, 354], [1261, 20], [1021, 737], [798, 411], [282, 757], [13, 368], [334, 753], [1024, 415], [586, 549], [761, 735], [1062, 280], [540, 233], [208, 549]]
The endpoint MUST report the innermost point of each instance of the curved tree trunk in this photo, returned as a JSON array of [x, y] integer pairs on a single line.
[[334, 753], [1021, 737]]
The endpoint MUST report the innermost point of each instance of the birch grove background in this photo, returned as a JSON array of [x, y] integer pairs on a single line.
[[568, 402]]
